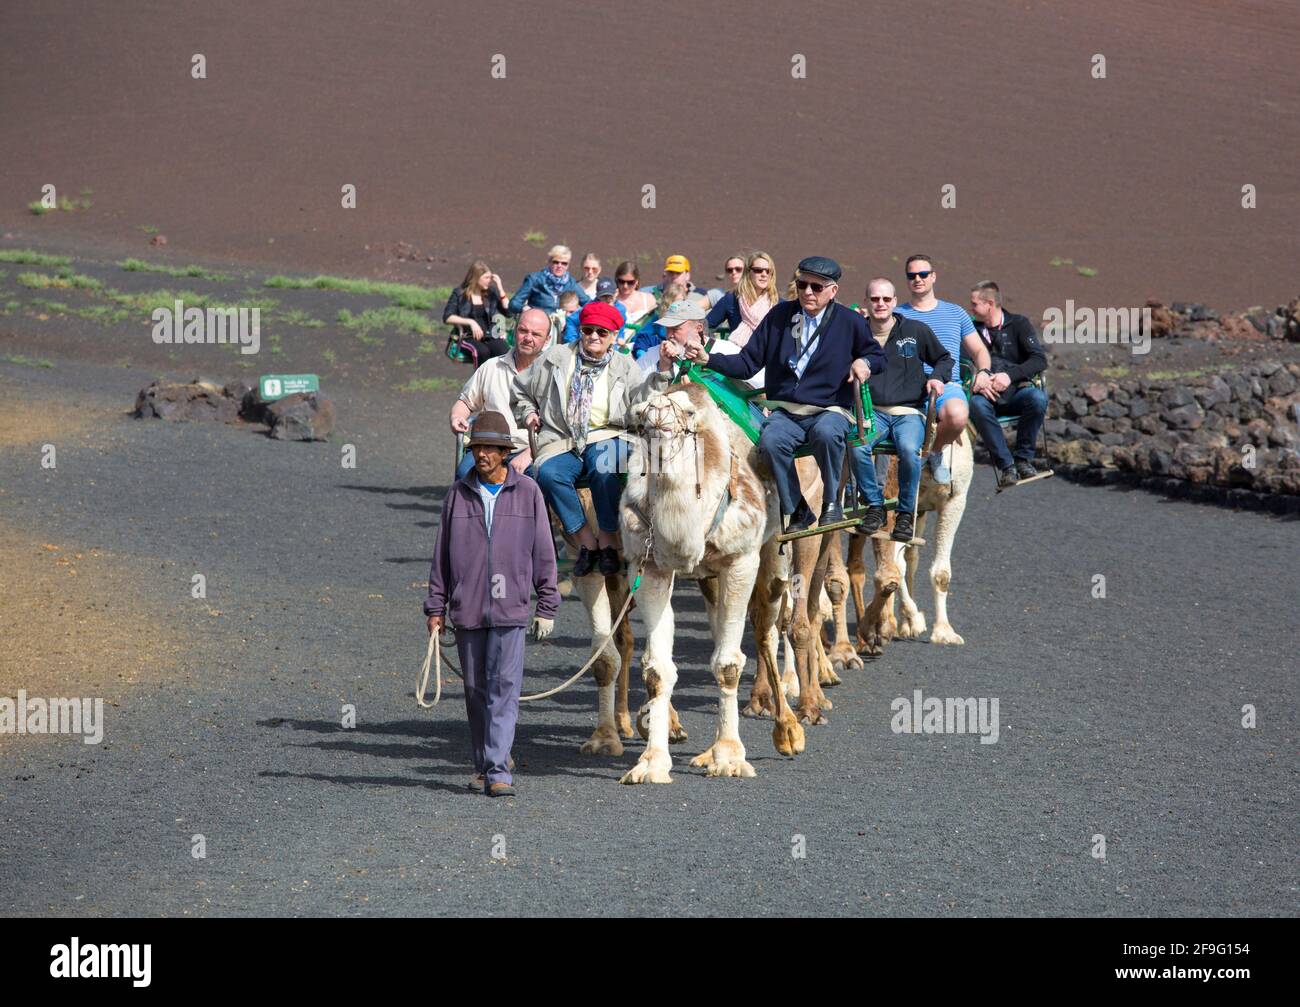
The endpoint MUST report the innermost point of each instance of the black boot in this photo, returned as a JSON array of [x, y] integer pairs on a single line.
[[1007, 477], [1025, 469], [609, 563], [874, 520], [801, 519], [832, 513], [902, 527], [585, 561]]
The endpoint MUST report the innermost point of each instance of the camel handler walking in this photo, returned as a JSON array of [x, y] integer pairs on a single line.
[[494, 548]]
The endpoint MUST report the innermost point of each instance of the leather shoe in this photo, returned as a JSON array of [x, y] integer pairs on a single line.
[[902, 528], [609, 563], [801, 519], [874, 520], [585, 561], [1025, 469], [831, 514]]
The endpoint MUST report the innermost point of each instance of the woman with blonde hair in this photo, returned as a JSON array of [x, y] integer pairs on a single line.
[[543, 288], [755, 295], [472, 305], [590, 274]]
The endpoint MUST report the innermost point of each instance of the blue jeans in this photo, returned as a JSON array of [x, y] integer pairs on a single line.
[[907, 433], [1027, 402], [467, 462], [784, 432], [600, 465]]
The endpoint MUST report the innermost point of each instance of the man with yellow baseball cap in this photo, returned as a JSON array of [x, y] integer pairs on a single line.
[[677, 269]]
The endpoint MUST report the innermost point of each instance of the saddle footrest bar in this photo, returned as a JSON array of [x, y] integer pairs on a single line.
[[1032, 479], [885, 536]]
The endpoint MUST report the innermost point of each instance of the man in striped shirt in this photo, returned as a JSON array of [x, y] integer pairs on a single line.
[[956, 332]]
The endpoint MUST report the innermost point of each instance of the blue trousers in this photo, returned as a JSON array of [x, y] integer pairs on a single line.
[[600, 464], [492, 661], [784, 432], [907, 433], [1027, 402]]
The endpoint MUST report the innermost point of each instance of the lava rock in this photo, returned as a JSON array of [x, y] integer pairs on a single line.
[[304, 416]]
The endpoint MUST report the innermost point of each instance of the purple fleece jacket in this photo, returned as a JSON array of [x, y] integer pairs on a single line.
[[479, 580]]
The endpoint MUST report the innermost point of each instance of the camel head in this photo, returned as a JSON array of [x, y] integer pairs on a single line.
[[669, 419]]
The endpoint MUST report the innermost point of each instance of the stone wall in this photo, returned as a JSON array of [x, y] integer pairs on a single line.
[[1186, 437]]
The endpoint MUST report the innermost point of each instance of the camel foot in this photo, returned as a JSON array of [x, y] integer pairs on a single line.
[[944, 633], [759, 707], [812, 714], [603, 741], [676, 733], [652, 767], [843, 657], [827, 676], [911, 626], [724, 758], [624, 722], [788, 737]]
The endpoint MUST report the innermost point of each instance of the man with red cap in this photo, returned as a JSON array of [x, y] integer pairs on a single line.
[[575, 399]]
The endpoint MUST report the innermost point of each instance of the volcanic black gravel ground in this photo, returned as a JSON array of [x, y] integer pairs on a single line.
[[1119, 717]]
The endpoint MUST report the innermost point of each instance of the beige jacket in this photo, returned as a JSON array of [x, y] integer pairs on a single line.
[[544, 389]]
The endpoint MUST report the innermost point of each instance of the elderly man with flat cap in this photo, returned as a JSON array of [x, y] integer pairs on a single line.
[[810, 350]]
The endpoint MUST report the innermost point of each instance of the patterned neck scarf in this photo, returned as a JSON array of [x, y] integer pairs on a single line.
[[556, 284], [585, 373]]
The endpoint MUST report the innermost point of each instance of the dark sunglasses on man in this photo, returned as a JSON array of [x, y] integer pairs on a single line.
[[817, 288], [920, 274]]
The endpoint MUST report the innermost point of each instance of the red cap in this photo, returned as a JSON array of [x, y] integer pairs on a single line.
[[602, 314]]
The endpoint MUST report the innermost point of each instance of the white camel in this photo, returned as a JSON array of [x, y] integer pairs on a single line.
[[695, 506], [876, 623]]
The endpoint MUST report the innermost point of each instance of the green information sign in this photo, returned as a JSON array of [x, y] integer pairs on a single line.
[[277, 386]]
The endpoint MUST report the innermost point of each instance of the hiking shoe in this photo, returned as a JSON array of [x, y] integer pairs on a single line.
[[1025, 469], [801, 519], [477, 784], [501, 790], [832, 513], [902, 528], [609, 563], [585, 561], [874, 521], [938, 469], [1007, 477]]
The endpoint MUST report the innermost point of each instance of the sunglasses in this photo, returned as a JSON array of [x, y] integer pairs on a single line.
[[559, 262], [626, 283], [886, 299], [919, 274], [760, 269], [817, 288], [593, 330], [735, 269]]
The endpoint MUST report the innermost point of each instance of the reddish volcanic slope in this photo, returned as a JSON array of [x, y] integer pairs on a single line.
[[1137, 176]]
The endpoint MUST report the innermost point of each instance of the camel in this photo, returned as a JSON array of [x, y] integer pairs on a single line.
[[696, 506], [876, 622], [602, 599]]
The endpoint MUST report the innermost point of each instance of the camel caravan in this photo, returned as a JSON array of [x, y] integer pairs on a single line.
[[750, 461]]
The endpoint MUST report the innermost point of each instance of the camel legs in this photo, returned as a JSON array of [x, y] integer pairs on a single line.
[[734, 587], [911, 623], [941, 570], [810, 559], [623, 638], [843, 654], [764, 605], [660, 675], [595, 596]]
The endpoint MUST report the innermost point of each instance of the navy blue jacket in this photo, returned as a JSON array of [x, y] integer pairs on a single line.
[[845, 336], [728, 310]]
